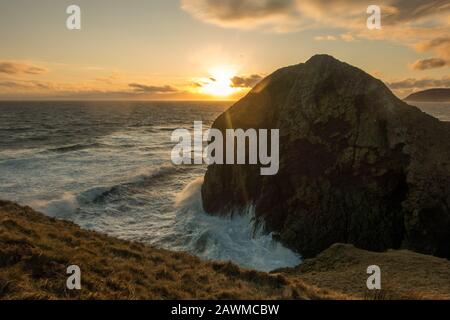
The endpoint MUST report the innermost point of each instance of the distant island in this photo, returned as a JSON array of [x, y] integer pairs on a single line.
[[430, 95]]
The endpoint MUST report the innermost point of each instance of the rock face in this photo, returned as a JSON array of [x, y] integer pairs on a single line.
[[357, 165]]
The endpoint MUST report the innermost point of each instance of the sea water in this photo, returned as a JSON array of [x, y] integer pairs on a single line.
[[107, 167]]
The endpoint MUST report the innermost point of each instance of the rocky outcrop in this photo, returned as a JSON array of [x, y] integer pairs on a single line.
[[357, 165]]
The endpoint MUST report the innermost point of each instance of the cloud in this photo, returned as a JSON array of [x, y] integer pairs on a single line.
[[431, 63], [403, 88], [14, 68], [198, 84], [439, 46], [236, 82], [415, 10], [412, 83], [325, 38], [435, 43], [245, 14], [289, 15], [141, 88], [347, 37], [245, 82], [32, 88], [26, 85], [234, 10], [110, 79], [418, 24]]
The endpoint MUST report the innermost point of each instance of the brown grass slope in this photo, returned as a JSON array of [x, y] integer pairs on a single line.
[[35, 251], [404, 274]]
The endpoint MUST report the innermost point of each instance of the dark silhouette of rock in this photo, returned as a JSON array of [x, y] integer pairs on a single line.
[[357, 164], [430, 95]]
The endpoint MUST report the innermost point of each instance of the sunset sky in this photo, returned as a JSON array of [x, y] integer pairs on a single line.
[[210, 49]]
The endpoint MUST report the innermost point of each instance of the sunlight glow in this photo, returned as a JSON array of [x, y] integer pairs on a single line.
[[219, 84]]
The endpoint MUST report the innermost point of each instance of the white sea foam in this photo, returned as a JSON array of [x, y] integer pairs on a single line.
[[228, 238], [62, 207], [108, 168]]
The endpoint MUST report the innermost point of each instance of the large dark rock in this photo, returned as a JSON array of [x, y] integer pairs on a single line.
[[357, 165]]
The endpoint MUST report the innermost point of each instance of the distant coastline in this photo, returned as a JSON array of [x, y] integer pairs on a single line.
[[430, 95]]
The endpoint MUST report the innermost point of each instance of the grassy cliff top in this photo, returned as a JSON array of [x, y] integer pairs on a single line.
[[36, 250], [404, 274]]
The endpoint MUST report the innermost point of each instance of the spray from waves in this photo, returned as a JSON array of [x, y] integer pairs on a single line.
[[227, 238], [62, 207], [183, 226], [67, 204], [140, 178]]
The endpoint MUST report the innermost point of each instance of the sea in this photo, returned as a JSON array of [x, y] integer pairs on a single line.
[[107, 167]]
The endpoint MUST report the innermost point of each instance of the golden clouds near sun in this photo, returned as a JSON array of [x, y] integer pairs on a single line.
[[219, 84]]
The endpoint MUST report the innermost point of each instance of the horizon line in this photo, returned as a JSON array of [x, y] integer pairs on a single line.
[[115, 100]]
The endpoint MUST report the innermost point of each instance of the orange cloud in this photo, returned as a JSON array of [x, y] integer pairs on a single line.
[[325, 38], [14, 68], [141, 88], [284, 14], [431, 63], [407, 86], [440, 45], [245, 82], [422, 25], [424, 83]]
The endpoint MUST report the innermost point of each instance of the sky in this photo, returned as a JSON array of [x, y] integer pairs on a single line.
[[211, 49]]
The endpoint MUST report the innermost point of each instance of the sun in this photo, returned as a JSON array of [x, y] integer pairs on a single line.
[[219, 84]]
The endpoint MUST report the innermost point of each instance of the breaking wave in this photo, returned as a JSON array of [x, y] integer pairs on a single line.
[[234, 237], [75, 147], [107, 168], [140, 180], [62, 207]]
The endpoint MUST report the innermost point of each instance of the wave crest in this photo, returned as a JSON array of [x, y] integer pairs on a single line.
[[235, 237]]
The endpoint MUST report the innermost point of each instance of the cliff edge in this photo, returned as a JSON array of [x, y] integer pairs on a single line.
[[36, 250]]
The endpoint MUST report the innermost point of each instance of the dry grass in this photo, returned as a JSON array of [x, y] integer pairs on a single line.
[[404, 274], [36, 250]]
